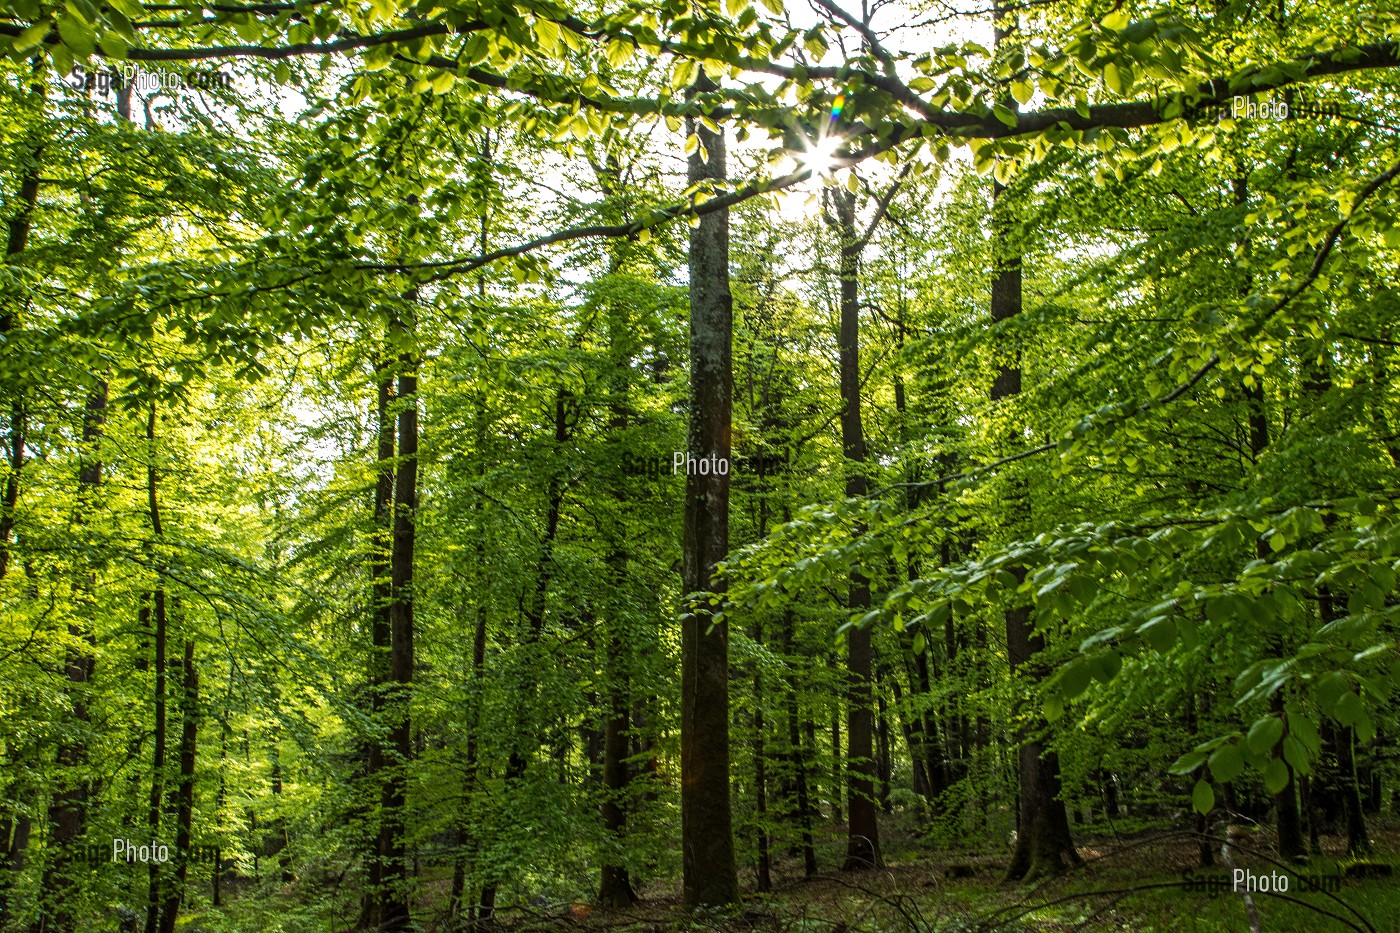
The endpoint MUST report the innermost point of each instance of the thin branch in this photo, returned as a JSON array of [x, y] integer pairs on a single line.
[[882, 205], [862, 27]]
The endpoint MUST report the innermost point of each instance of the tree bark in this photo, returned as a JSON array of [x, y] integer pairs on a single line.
[[14, 840], [837, 814], [184, 790], [1344, 738], [1043, 841], [798, 757], [394, 893], [157, 798], [68, 808], [381, 603], [862, 828], [615, 882], [707, 831]]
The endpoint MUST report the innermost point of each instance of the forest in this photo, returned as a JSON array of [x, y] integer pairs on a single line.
[[808, 466]]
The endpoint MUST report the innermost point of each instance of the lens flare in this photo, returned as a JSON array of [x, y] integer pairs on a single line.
[[820, 156], [836, 107]]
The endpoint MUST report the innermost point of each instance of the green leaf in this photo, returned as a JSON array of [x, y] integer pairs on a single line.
[[620, 51], [1264, 734], [1296, 755], [77, 35], [1203, 797], [1108, 666], [683, 75], [1276, 775], [1075, 679], [1005, 115], [1226, 763], [1349, 709], [1329, 690], [1115, 20], [32, 36], [1305, 730], [1188, 762], [1160, 632], [1054, 707], [548, 32], [114, 46], [1113, 78]]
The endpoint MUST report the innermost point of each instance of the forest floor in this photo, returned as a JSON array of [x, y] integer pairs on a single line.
[[1138, 883]]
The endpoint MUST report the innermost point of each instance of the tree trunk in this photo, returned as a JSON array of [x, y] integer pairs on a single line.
[[381, 626], [1292, 844], [15, 827], [14, 846], [394, 894], [935, 764], [837, 815], [883, 764], [68, 808], [157, 799], [798, 757], [910, 729], [16, 241], [615, 884], [1344, 738], [764, 876], [1044, 845], [707, 832], [1043, 842], [863, 829], [535, 612], [184, 791]]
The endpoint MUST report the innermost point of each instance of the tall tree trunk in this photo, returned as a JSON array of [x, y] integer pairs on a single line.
[[381, 603], [68, 808], [935, 764], [157, 798], [14, 847], [16, 241], [837, 755], [707, 830], [1292, 843], [535, 612], [764, 866], [615, 884], [15, 826], [883, 763], [909, 728], [863, 828], [14, 456], [394, 895], [798, 757], [469, 839], [1043, 841], [184, 789], [1344, 739]]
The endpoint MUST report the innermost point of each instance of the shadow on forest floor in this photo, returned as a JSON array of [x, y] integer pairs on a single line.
[[1151, 881]]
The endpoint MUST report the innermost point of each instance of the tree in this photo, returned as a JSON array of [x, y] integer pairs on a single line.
[[707, 837]]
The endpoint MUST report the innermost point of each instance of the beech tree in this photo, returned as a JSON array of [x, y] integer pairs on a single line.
[[351, 355]]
